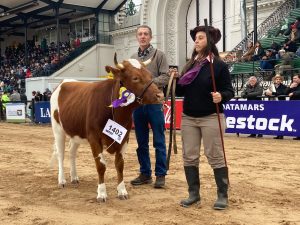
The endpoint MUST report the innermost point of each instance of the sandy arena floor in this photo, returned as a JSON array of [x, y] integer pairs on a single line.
[[264, 177]]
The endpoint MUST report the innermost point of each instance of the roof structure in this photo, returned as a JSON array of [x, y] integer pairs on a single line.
[[39, 13]]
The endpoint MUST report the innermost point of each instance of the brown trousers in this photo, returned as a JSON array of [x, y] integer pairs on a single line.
[[193, 130]]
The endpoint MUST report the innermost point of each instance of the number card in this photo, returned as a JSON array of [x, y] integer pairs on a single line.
[[114, 131]]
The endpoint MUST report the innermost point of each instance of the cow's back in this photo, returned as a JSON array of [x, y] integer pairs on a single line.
[[82, 106]]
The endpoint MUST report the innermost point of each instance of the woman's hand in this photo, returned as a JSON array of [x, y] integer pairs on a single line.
[[174, 71], [217, 97], [268, 93]]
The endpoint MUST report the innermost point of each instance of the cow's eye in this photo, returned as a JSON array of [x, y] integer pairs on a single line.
[[135, 79]]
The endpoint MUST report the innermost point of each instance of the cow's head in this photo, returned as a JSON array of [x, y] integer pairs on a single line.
[[137, 79]]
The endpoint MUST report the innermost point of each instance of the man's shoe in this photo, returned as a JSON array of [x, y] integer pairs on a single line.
[[296, 138], [259, 135], [278, 137], [141, 179], [159, 182], [252, 135]]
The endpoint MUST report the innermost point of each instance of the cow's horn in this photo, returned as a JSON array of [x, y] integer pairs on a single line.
[[147, 62], [118, 65]]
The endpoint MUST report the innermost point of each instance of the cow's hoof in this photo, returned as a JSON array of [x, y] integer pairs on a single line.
[[61, 185], [101, 199], [75, 182], [123, 197]]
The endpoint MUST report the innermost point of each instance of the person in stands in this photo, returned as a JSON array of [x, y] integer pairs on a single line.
[[258, 52], [276, 89], [253, 91], [293, 91], [247, 56]]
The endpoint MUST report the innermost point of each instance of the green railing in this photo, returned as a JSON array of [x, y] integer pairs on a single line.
[[262, 30], [240, 73]]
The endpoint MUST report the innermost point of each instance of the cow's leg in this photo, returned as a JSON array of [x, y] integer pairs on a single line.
[[119, 164], [60, 137], [101, 167], [73, 151], [97, 149]]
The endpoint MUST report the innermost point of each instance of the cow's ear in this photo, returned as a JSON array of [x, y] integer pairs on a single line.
[[115, 72]]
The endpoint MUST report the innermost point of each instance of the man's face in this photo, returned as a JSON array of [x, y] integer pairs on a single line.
[[252, 81], [296, 79], [143, 37]]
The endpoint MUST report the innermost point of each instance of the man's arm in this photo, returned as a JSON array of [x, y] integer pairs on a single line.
[[258, 91], [163, 67]]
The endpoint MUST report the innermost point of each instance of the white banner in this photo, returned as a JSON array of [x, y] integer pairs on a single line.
[[15, 112]]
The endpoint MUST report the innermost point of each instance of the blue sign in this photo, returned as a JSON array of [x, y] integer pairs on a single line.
[[263, 117], [42, 112]]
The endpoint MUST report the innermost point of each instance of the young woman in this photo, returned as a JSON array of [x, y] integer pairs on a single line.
[[199, 118]]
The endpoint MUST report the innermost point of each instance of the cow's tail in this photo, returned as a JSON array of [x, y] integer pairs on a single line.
[[53, 159]]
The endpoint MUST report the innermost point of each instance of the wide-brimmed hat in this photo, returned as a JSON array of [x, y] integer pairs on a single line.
[[278, 76], [215, 33]]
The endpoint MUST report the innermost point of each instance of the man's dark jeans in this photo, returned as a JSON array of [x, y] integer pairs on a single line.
[[153, 115]]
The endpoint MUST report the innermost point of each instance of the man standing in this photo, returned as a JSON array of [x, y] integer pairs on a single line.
[[293, 91], [151, 114], [15, 96], [4, 99]]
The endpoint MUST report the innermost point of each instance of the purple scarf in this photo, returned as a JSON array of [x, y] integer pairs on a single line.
[[190, 75]]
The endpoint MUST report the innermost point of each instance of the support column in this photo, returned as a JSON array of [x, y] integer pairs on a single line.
[[197, 13], [255, 21], [224, 25], [97, 27], [57, 31], [26, 33], [210, 12]]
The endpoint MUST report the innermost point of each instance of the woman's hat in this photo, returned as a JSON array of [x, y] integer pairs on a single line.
[[278, 76], [215, 33]]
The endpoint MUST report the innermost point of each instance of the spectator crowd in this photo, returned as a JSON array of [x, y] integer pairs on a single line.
[[42, 60], [278, 57]]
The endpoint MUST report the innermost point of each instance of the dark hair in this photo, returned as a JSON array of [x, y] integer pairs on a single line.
[[145, 26], [205, 52], [215, 37]]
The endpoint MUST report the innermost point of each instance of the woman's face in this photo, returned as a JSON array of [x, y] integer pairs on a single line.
[[200, 41], [277, 80]]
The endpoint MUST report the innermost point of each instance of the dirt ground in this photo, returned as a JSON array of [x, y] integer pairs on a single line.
[[264, 185]]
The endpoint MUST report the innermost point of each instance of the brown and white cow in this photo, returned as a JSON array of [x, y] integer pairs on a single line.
[[80, 110]]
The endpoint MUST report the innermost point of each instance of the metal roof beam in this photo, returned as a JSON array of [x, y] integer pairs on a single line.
[[101, 5], [4, 7], [37, 11], [119, 7], [49, 2], [77, 8]]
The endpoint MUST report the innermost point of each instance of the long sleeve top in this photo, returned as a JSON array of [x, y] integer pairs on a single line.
[[252, 92], [295, 91], [158, 67], [197, 95]]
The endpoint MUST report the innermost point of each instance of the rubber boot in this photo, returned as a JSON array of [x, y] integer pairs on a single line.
[[193, 180], [221, 177]]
